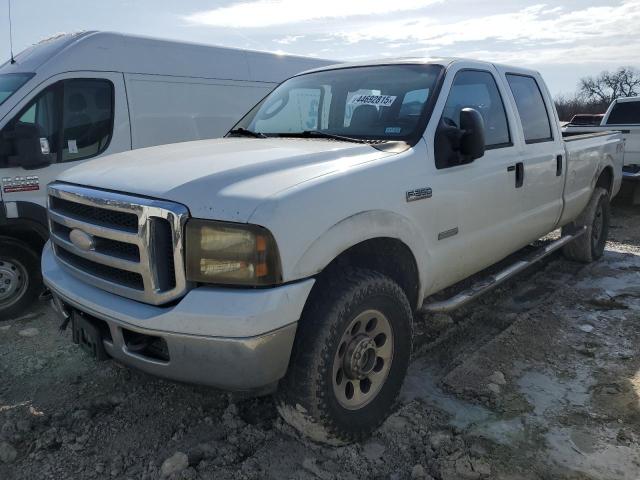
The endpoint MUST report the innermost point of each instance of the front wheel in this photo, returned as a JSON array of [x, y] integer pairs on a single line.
[[595, 217], [20, 278], [350, 357]]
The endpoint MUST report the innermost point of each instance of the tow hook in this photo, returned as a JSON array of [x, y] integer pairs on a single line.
[[61, 309]]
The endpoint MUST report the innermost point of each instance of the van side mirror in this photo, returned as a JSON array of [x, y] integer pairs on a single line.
[[31, 150], [472, 126]]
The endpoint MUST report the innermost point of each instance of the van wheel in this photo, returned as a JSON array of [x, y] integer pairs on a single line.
[[20, 278], [596, 217], [350, 357]]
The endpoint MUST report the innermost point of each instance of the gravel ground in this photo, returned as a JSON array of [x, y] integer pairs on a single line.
[[538, 380]]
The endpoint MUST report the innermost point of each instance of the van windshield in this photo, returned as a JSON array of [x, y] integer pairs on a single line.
[[384, 102], [10, 83]]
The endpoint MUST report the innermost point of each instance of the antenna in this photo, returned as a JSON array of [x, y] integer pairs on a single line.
[[13, 60]]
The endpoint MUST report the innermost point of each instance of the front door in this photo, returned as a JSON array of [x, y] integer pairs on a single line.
[[471, 217], [72, 119]]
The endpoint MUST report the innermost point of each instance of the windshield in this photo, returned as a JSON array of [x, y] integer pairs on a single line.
[[10, 82], [385, 102]]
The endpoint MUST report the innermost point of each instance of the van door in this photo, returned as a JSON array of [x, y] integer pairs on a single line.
[[542, 158], [74, 117]]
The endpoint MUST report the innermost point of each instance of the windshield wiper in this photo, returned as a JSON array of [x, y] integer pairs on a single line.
[[319, 134], [247, 133]]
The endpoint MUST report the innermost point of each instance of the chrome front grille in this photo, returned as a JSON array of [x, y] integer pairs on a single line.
[[131, 246]]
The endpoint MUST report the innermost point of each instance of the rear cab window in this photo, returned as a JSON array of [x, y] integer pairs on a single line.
[[531, 108], [625, 113]]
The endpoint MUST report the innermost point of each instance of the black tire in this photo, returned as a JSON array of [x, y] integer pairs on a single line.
[[20, 270], [596, 217], [308, 399]]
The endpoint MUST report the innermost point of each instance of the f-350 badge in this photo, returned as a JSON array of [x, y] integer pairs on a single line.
[[419, 194]]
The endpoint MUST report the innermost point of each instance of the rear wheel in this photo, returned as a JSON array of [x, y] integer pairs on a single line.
[[350, 357], [595, 217], [20, 279]]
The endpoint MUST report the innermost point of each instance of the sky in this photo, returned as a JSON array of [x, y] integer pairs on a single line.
[[564, 40]]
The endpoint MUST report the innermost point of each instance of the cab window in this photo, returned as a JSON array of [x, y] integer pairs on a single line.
[[69, 120], [531, 108], [475, 89], [87, 119], [625, 113], [478, 90]]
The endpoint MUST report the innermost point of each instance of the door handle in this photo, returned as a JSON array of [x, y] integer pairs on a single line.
[[519, 174], [519, 169], [558, 165]]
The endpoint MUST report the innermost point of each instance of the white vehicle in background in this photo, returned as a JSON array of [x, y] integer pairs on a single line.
[[77, 97], [292, 254], [622, 115]]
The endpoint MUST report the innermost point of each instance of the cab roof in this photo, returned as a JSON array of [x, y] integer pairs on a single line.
[[444, 61]]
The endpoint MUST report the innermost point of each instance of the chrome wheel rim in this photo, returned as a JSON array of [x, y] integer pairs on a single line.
[[362, 359], [13, 282]]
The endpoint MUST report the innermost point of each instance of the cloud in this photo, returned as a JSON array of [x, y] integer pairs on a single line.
[[534, 34], [533, 24], [289, 39], [266, 13], [575, 37]]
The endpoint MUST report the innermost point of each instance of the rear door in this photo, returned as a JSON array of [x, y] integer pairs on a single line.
[[71, 119], [539, 173]]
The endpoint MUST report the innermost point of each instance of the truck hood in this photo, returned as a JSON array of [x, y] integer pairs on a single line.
[[223, 179]]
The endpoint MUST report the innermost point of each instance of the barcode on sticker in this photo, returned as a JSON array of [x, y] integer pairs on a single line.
[[377, 100]]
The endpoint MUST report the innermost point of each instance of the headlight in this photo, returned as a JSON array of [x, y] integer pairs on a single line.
[[231, 254]]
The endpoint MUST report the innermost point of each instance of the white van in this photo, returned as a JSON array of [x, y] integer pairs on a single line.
[[77, 97]]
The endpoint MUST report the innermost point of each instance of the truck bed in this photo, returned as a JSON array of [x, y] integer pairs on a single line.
[[584, 159], [570, 136]]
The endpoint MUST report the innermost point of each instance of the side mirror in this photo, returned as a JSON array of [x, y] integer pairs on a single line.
[[472, 126], [32, 151]]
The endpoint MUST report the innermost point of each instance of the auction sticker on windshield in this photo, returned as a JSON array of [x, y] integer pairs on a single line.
[[377, 100]]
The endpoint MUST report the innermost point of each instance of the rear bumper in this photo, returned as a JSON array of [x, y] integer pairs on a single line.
[[630, 176], [226, 338]]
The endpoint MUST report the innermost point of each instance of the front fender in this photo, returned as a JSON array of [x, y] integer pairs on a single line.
[[359, 228]]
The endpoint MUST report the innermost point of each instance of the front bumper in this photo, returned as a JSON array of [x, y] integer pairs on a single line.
[[235, 339]]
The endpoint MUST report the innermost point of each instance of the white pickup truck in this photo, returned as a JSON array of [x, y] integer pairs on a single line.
[[622, 115], [294, 253]]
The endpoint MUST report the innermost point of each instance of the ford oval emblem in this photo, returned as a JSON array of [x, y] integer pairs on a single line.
[[82, 240]]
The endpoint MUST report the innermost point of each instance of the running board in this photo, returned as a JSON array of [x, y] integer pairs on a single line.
[[489, 283]]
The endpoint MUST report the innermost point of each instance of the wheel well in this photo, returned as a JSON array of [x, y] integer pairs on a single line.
[[605, 180], [25, 231], [388, 256]]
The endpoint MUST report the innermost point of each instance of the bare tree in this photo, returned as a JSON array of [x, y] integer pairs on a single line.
[[568, 106], [606, 87], [596, 93]]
